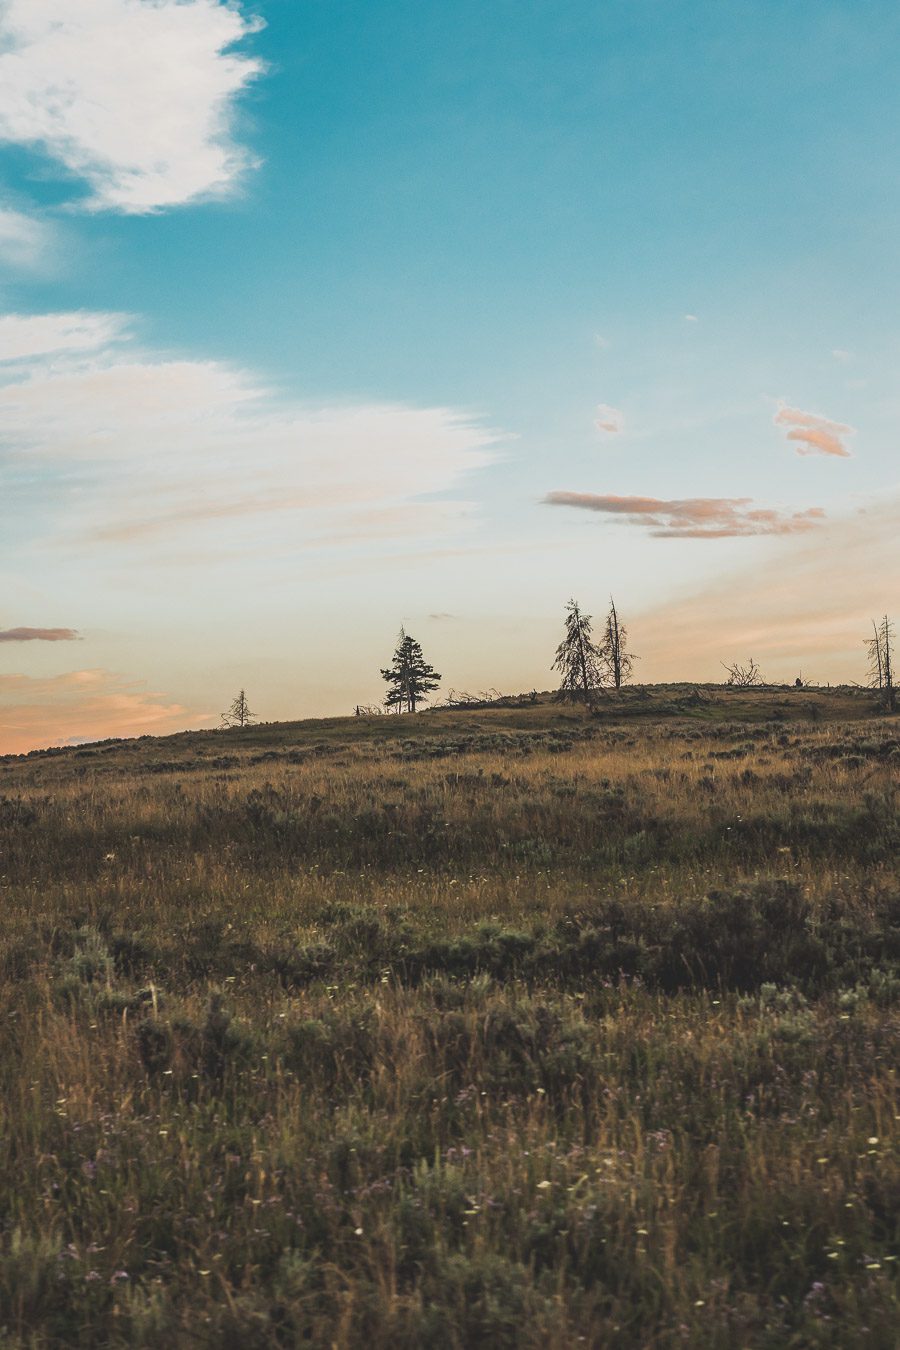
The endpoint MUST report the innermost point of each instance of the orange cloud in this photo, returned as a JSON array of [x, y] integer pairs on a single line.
[[808, 607], [694, 517], [38, 635], [83, 705], [812, 433]]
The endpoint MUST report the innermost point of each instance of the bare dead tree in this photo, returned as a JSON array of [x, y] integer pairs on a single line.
[[873, 651], [618, 663], [238, 713], [743, 677], [887, 657], [880, 648]]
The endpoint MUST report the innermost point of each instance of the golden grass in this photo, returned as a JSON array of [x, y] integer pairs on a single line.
[[516, 1028]]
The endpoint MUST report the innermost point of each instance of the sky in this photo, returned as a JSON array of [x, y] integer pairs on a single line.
[[323, 317]]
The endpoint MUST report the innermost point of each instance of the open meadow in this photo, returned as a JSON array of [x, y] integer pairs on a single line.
[[502, 1027]]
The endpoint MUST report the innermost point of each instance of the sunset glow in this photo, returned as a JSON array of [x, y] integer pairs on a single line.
[[310, 324]]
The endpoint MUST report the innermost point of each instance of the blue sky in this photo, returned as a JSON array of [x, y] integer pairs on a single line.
[[320, 317]]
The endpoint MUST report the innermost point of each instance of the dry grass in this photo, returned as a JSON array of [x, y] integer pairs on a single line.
[[508, 1028]]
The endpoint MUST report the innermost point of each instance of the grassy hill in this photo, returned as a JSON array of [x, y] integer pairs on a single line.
[[507, 1026]]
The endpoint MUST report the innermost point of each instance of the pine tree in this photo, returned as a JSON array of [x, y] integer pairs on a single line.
[[618, 663], [578, 659], [409, 677], [238, 714]]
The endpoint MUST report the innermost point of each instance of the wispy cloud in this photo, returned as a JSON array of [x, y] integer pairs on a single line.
[[136, 98], [608, 419], [38, 635], [167, 448], [812, 433], [83, 705], [25, 241], [26, 336], [808, 607], [694, 517]]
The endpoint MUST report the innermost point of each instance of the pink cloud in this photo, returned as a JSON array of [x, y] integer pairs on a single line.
[[38, 635], [694, 517], [808, 607], [83, 705], [812, 433]]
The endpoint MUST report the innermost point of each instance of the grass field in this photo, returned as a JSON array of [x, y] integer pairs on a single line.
[[508, 1027]]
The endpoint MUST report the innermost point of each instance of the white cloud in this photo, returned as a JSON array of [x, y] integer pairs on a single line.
[[608, 419], [24, 336], [157, 449], [134, 96], [24, 240]]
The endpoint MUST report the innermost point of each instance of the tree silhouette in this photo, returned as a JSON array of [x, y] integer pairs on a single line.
[[743, 677], [618, 662], [409, 677], [880, 648], [238, 714], [578, 659]]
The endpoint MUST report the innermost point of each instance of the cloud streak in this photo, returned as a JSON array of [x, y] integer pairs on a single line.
[[139, 449], [82, 705], [807, 607], [38, 635], [24, 337], [693, 517], [813, 434], [135, 97]]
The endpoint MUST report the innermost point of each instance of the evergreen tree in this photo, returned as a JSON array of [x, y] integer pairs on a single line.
[[618, 663], [409, 677], [578, 659]]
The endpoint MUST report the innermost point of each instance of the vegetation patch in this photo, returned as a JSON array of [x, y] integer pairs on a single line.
[[528, 1026]]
